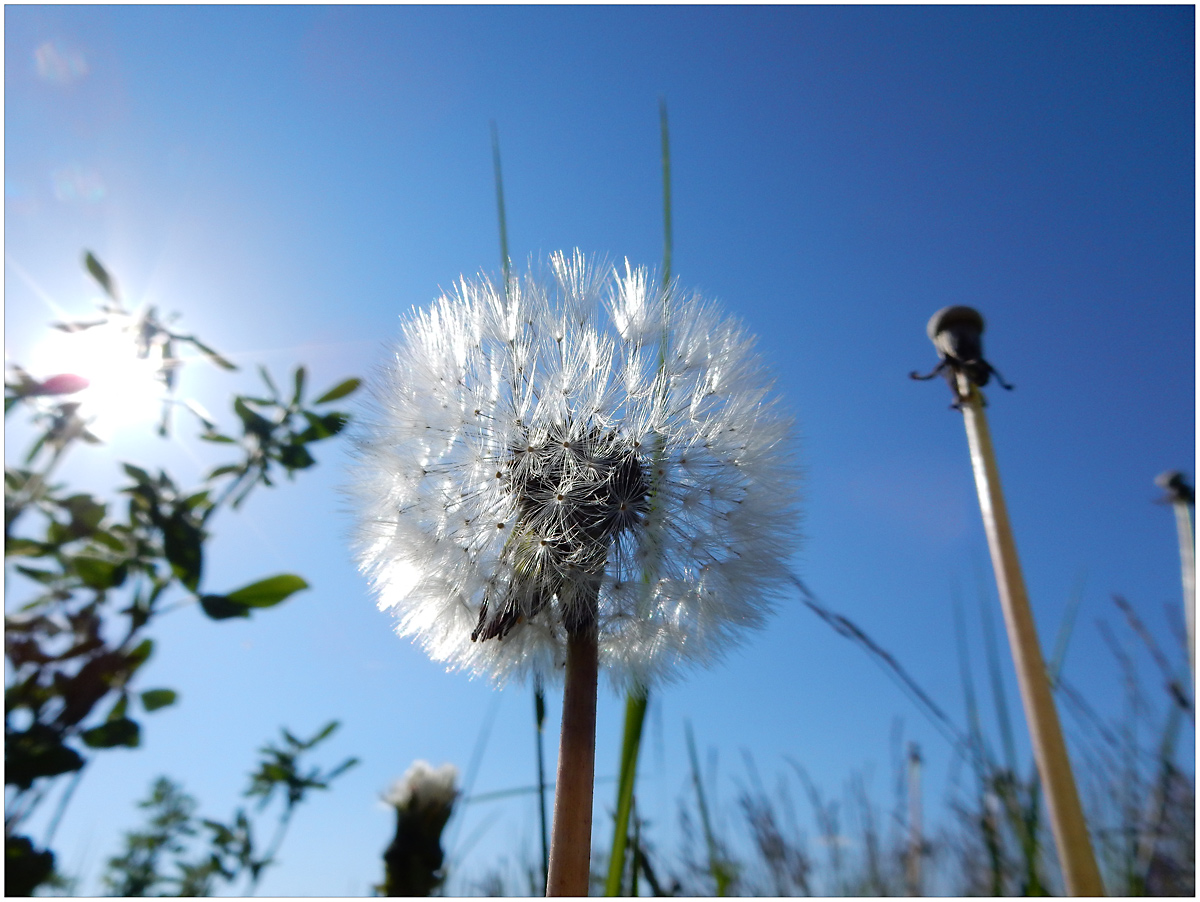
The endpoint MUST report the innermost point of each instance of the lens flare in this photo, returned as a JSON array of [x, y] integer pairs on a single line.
[[124, 389]]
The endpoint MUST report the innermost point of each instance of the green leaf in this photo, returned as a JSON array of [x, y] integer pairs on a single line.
[[320, 427], [224, 470], [218, 607], [58, 534], [119, 709], [216, 437], [200, 413], [191, 502], [207, 351], [97, 573], [86, 513], [295, 457], [339, 391], [25, 867], [24, 548], [325, 731], [251, 421], [153, 699], [341, 769], [268, 592], [140, 654], [108, 540], [37, 446], [183, 543], [38, 752], [298, 378], [137, 474], [262, 371], [122, 731], [100, 274], [42, 576]]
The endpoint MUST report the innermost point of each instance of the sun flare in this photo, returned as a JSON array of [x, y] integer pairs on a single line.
[[124, 389]]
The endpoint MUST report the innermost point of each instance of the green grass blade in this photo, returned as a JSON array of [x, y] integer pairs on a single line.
[[1054, 668], [635, 716], [500, 205], [976, 742], [716, 867], [999, 696], [637, 847], [666, 169]]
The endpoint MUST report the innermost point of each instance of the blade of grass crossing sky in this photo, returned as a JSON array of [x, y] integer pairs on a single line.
[[539, 698], [666, 167], [981, 759], [716, 867], [500, 204], [635, 716], [999, 697], [638, 697], [1055, 664]]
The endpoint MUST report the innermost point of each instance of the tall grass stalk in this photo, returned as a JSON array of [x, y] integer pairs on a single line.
[[916, 842], [635, 716], [717, 866], [666, 175], [638, 696], [504, 261]]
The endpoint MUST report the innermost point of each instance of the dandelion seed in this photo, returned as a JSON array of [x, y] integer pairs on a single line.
[[576, 413]]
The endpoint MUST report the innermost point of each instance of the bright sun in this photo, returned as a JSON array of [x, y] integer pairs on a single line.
[[124, 390]]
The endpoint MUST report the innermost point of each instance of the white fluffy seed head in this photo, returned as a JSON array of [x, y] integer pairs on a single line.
[[423, 787], [585, 441]]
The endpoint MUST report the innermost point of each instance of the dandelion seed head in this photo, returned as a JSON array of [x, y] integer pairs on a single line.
[[423, 787], [587, 449]]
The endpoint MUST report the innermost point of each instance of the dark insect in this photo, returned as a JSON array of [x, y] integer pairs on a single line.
[[1176, 487], [957, 333]]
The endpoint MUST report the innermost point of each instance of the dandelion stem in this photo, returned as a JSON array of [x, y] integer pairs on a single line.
[[571, 839], [1066, 814], [1187, 556]]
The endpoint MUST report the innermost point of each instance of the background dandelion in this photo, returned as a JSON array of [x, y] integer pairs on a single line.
[[423, 798]]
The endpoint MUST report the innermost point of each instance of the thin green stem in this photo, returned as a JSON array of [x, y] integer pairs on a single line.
[[666, 168], [636, 700], [635, 716], [715, 865], [62, 806], [500, 205]]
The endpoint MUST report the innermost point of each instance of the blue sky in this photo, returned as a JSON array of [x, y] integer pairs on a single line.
[[292, 180]]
